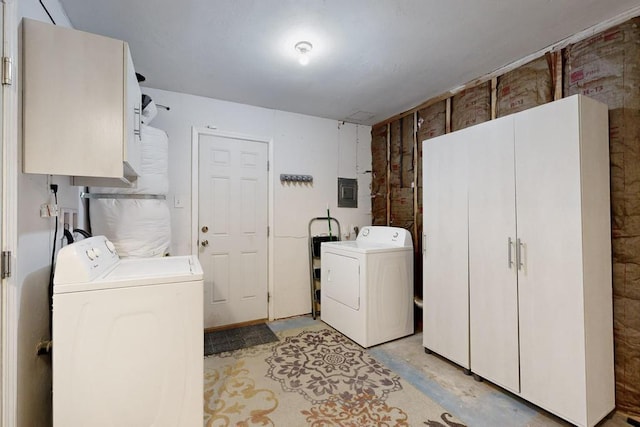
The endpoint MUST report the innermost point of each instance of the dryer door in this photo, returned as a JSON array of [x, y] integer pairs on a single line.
[[341, 279]]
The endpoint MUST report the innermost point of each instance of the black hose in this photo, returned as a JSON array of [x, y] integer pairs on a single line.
[[84, 233], [68, 236], [54, 188]]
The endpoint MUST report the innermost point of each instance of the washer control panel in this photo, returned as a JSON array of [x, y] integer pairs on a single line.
[[394, 236], [85, 260]]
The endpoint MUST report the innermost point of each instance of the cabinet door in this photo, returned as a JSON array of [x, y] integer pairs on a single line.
[[132, 116], [550, 280], [72, 102], [446, 290], [493, 287]]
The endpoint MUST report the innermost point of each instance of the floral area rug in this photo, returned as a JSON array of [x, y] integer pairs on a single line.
[[313, 376]]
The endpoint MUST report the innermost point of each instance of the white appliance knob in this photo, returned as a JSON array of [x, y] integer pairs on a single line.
[[97, 252], [91, 254], [110, 246]]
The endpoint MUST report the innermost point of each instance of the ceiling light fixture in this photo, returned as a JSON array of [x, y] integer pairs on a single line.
[[303, 48]]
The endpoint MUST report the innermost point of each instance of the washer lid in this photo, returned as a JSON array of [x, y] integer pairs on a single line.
[[140, 272]]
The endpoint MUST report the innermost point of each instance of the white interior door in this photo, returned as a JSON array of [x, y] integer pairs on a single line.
[[550, 282], [445, 249], [232, 227], [493, 286]]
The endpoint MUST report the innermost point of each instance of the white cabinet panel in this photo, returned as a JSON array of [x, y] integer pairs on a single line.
[[446, 290], [493, 285], [77, 88], [552, 223], [550, 229]]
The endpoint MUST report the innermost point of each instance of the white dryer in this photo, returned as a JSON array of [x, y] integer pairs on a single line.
[[127, 338], [367, 285]]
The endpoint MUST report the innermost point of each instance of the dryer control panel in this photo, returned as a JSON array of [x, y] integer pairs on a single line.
[[85, 260], [394, 236]]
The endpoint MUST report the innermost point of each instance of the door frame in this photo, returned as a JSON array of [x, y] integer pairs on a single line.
[[9, 220], [195, 161]]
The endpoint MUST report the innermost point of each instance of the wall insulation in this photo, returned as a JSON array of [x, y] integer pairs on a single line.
[[471, 106], [525, 87], [401, 176], [379, 175], [606, 67]]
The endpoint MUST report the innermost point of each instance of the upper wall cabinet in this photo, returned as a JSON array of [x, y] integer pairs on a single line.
[[81, 106]]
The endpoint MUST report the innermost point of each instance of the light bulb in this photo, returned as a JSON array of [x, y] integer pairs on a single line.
[[303, 49]]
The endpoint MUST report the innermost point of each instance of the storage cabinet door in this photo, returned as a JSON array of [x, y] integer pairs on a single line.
[[133, 113], [493, 287], [550, 280], [446, 290], [72, 102]]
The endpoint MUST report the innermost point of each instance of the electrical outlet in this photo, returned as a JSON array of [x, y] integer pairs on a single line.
[[68, 218]]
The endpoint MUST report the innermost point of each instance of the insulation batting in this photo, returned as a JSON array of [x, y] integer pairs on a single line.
[[606, 67], [525, 87], [395, 154], [401, 177], [379, 175], [471, 106], [402, 208], [407, 151]]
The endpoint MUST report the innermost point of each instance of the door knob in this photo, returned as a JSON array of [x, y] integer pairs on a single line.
[[205, 228], [205, 243]]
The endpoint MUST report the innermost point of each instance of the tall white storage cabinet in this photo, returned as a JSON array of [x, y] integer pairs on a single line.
[[81, 103], [446, 326], [539, 251]]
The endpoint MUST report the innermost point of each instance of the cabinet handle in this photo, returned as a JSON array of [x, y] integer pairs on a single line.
[[510, 245], [424, 243], [519, 255], [136, 121]]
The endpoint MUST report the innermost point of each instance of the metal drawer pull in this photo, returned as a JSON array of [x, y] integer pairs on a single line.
[[519, 255], [509, 251]]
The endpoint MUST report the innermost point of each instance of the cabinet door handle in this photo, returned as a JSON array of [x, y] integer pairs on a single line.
[[424, 243], [510, 245], [519, 254], [136, 121]]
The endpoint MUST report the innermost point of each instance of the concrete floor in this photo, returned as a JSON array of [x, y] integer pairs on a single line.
[[476, 403]]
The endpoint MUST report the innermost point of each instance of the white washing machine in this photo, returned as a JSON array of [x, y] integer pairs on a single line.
[[127, 338], [367, 285]]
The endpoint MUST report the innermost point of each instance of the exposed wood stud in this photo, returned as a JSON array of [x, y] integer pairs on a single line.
[[554, 61], [494, 98], [447, 116], [557, 76]]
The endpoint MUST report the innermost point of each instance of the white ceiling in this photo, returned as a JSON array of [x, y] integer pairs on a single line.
[[371, 59]]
